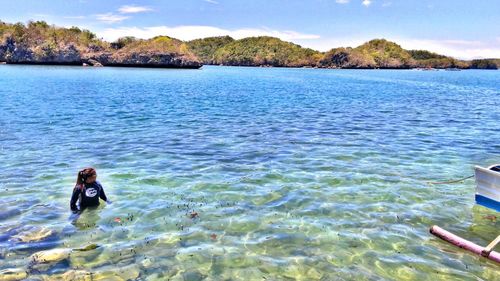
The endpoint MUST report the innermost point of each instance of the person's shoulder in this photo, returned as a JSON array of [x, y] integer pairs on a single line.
[[98, 184]]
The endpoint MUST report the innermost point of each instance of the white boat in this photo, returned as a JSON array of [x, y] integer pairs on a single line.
[[488, 195], [488, 186]]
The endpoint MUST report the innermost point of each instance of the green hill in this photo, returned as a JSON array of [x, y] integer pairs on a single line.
[[485, 64], [205, 48], [426, 59], [40, 43], [378, 53], [265, 51], [424, 55], [37, 42], [130, 49], [383, 54]]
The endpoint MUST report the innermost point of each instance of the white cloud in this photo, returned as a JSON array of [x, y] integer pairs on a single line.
[[367, 2], [110, 18], [133, 9], [461, 49], [342, 1], [190, 32], [211, 1]]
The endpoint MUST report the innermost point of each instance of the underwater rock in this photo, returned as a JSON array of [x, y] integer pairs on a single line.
[[154, 277], [130, 272], [167, 239], [54, 255], [77, 275], [88, 257], [6, 232], [87, 248], [5, 214], [33, 235], [147, 263], [71, 275], [193, 276], [13, 274]]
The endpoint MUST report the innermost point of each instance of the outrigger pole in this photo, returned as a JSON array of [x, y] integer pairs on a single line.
[[486, 252]]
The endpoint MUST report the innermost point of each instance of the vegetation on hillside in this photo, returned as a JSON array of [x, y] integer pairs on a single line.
[[380, 53], [424, 55], [426, 59], [265, 51], [38, 41], [377, 53], [39, 33], [262, 51], [383, 54], [158, 44], [485, 64], [206, 48]]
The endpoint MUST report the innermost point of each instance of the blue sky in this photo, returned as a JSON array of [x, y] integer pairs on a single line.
[[460, 28]]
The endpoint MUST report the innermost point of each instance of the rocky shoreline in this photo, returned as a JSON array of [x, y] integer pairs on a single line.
[[38, 43], [41, 44], [70, 56]]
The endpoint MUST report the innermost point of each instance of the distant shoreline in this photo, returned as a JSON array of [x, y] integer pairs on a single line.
[[243, 66], [113, 65], [37, 42]]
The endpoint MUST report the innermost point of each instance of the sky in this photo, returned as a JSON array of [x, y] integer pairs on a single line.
[[463, 29]]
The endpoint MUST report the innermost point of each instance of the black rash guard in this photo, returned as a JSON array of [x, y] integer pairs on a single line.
[[89, 196]]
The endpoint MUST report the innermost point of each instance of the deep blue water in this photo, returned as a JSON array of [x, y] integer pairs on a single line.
[[306, 174]]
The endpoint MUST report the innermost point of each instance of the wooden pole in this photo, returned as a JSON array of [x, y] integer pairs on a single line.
[[487, 250], [462, 243]]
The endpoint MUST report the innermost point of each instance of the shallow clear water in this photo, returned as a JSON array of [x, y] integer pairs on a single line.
[[305, 174]]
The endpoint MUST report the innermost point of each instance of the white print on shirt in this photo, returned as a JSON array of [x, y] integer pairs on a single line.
[[91, 192]]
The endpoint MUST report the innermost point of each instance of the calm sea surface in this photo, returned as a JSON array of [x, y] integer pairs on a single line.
[[229, 173]]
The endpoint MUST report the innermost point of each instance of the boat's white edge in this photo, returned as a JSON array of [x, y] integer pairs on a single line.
[[488, 187]]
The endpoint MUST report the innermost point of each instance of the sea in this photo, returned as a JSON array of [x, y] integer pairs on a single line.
[[240, 173]]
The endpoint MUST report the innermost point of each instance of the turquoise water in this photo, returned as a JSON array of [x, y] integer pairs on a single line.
[[294, 174]]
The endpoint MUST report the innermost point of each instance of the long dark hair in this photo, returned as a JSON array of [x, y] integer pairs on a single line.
[[83, 175]]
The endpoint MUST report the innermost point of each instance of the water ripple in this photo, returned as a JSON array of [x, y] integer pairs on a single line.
[[244, 173]]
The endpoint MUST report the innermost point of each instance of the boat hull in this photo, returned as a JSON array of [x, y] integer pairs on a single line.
[[487, 187]]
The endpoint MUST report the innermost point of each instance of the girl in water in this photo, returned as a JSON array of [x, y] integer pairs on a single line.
[[87, 189]]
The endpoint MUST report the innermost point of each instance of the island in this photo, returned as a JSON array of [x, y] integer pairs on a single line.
[[374, 54], [40, 43], [37, 42]]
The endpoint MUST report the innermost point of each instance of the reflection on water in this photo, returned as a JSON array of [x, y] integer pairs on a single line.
[[244, 174]]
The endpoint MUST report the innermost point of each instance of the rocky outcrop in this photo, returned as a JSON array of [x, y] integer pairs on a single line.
[[12, 52], [50, 256], [66, 55], [133, 59], [13, 274], [33, 234], [6, 47], [2, 53]]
